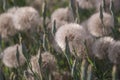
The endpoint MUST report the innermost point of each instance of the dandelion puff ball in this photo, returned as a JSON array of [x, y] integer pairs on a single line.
[[37, 4], [6, 25], [86, 4], [114, 52], [62, 16], [12, 10], [56, 76], [10, 56], [116, 4], [95, 26], [100, 47], [26, 18], [48, 61], [76, 36]]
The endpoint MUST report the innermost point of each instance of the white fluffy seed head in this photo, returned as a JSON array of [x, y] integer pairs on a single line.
[[48, 62], [62, 16], [26, 18], [56, 76], [37, 4], [76, 36], [116, 4], [114, 52], [6, 25], [10, 56], [95, 26], [12, 10], [100, 47], [86, 4]]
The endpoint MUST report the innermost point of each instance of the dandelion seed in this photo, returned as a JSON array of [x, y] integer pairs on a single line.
[[26, 19], [37, 4], [76, 35], [12, 10], [95, 26], [114, 52], [48, 61], [62, 16], [6, 25], [56, 76], [100, 47], [107, 3], [9, 56], [86, 4]]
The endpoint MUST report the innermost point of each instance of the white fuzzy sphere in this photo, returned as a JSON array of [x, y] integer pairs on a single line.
[[62, 16], [76, 35], [100, 47], [6, 25], [26, 18], [95, 27], [10, 56], [116, 4], [114, 52], [86, 4]]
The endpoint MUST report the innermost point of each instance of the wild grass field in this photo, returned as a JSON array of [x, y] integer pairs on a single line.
[[59, 39]]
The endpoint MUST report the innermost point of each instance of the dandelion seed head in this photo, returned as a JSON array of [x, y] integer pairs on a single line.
[[6, 25], [62, 16], [100, 47], [10, 56], [37, 4], [116, 6], [26, 18], [86, 4], [76, 36], [95, 26], [114, 52], [48, 62], [56, 76], [12, 10]]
